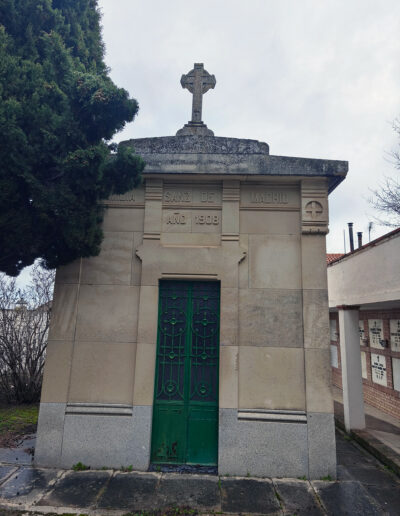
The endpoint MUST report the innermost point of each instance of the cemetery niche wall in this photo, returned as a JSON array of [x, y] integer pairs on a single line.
[[200, 334], [366, 355]]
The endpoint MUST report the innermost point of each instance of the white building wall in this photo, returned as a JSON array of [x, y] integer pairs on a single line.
[[371, 275]]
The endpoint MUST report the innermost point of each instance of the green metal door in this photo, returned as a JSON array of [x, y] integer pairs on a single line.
[[185, 413]]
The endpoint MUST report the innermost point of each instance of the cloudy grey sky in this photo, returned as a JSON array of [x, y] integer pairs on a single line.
[[312, 78]]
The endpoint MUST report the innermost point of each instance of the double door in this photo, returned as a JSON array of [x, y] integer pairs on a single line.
[[185, 411]]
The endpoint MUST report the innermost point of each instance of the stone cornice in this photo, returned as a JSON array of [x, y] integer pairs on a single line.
[[193, 155]]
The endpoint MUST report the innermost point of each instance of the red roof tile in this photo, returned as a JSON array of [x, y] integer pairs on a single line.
[[331, 257]]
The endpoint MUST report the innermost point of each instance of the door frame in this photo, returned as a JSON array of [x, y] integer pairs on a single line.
[[188, 365]]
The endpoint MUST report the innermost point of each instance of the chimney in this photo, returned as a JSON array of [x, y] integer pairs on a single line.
[[350, 224], [359, 236]]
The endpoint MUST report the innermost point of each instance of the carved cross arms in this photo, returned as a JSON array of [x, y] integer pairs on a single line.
[[198, 81]]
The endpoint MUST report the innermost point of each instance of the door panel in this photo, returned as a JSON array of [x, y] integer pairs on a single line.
[[185, 414], [169, 433], [202, 442]]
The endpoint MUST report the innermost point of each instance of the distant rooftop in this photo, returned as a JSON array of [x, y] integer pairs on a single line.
[[332, 258]]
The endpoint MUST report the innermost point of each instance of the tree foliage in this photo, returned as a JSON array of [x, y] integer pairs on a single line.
[[386, 199], [58, 108], [24, 325]]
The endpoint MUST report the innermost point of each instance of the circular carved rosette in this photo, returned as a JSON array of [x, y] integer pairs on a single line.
[[313, 209]]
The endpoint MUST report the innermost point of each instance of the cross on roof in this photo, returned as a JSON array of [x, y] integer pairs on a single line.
[[198, 81]]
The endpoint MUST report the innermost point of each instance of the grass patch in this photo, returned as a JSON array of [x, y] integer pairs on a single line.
[[16, 421]]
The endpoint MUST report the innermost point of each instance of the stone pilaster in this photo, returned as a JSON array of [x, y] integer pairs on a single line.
[[314, 206], [230, 210], [153, 209]]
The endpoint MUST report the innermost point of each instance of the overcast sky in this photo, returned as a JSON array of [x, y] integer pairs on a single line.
[[312, 78]]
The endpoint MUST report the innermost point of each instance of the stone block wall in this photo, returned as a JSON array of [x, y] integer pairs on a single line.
[[264, 241]]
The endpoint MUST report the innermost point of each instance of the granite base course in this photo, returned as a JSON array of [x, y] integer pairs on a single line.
[[321, 445], [93, 439], [259, 448]]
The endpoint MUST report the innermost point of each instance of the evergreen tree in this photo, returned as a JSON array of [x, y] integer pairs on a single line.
[[58, 108]]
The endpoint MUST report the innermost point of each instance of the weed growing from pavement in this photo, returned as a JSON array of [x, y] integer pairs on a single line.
[[389, 468], [80, 467], [127, 468]]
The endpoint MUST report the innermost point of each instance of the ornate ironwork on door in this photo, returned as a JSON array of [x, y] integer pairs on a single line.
[[185, 414]]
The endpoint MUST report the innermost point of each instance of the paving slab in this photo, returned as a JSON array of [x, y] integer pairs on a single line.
[[347, 498], [249, 496], [27, 484], [372, 475], [5, 472], [343, 473], [297, 497], [76, 489], [349, 453], [17, 456], [196, 491], [388, 497], [133, 491]]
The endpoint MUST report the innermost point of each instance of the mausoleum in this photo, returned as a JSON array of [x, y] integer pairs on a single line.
[[200, 334]]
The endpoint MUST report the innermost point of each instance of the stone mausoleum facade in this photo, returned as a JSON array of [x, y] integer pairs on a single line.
[[200, 334]]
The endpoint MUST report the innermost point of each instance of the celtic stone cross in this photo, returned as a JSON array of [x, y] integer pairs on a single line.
[[198, 81]]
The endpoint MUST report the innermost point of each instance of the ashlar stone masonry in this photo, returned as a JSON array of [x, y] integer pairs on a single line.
[[200, 334]]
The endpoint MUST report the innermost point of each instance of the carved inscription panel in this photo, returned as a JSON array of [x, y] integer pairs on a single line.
[[177, 197], [133, 197], [199, 196], [258, 197], [395, 334], [364, 373], [334, 356], [191, 221], [378, 369], [375, 333], [363, 337], [396, 373]]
